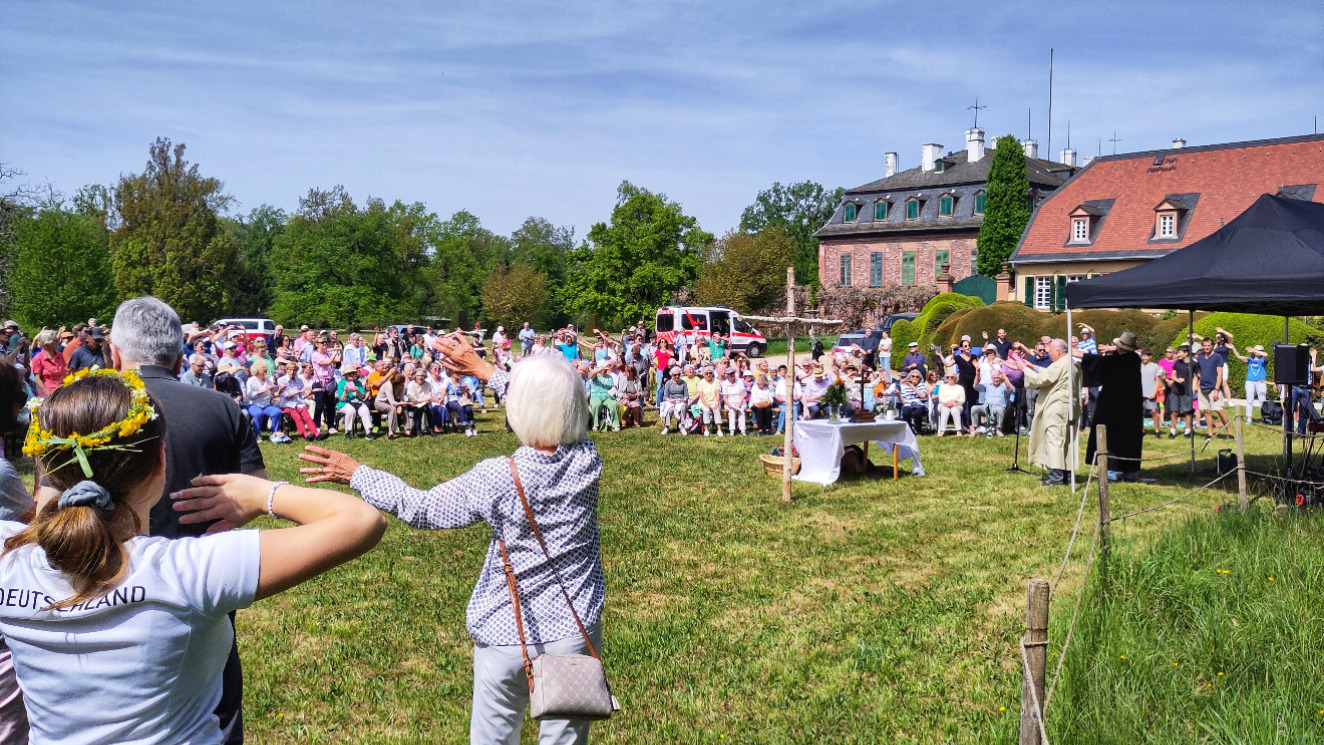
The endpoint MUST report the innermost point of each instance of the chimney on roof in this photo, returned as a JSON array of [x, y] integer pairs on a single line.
[[1031, 148], [931, 154], [889, 164], [1178, 144], [1069, 157], [974, 145], [1088, 159]]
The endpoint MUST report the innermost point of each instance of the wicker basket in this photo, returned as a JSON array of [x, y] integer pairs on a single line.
[[773, 464]]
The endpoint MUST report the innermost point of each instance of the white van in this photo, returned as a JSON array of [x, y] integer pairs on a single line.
[[698, 322]]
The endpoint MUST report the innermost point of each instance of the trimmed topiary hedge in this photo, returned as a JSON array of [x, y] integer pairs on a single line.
[[936, 311]]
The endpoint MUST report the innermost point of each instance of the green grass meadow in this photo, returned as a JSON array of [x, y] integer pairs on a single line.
[[866, 612]]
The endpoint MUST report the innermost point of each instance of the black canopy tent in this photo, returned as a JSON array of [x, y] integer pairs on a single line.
[[1268, 260]]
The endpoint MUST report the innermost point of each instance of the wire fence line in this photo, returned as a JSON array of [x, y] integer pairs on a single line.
[[1039, 715], [1187, 495]]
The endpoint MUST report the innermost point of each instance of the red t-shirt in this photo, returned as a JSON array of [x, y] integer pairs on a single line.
[[663, 358], [50, 369]]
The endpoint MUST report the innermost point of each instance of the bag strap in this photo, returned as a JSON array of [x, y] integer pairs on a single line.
[[519, 619], [519, 489]]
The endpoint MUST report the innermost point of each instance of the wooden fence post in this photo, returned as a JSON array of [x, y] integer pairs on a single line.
[[1101, 457], [788, 442], [1242, 498], [1036, 650]]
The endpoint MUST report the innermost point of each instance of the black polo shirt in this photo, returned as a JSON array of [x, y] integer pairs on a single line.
[[206, 433]]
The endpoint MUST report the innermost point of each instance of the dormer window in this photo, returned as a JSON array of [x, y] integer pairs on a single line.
[[850, 212], [1087, 221], [1172, 215], [946, 205], [880, 210], [979, 203], [912, 209], [1080, 230], [939, 166], [1167, 225]]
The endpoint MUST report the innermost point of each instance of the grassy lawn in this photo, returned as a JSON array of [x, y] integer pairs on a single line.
[[1214, 636], [866, 612]]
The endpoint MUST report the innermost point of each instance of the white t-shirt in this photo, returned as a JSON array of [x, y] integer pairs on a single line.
[[141, 664], [1149, 379]]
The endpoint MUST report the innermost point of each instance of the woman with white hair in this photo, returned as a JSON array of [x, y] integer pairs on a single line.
[[260, 398], [557, 469]]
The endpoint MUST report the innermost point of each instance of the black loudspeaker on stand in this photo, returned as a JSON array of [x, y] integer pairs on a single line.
[[1291, 364]]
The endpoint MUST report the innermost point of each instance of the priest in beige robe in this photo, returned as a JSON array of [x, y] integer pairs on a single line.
[[1055, 412]]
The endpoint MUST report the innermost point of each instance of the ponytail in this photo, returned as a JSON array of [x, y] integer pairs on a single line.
[[79, 541]]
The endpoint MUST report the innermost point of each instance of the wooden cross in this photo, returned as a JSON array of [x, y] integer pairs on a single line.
[[789, 321]]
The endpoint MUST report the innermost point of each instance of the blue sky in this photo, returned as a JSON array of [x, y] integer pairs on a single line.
[[517, 109]]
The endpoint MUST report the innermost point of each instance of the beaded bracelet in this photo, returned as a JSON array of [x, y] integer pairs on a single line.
[[271, 496]]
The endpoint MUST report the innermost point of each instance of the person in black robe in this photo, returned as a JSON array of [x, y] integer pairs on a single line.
[[1116, 371]]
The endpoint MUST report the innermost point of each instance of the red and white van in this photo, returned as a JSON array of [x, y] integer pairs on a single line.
[[696, 323]]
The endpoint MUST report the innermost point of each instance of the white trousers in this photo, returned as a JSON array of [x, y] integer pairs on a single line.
[[501, 693], [949, 414], [672, 410], [356, 410], [1256, 394], [734, 417]]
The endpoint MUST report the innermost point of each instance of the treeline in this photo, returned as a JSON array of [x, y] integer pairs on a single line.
[[335, 262]]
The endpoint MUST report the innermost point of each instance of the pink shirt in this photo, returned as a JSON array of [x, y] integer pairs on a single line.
[[51, 369]]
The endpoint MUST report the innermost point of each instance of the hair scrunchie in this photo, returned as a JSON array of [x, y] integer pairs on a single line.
[[88, 494]]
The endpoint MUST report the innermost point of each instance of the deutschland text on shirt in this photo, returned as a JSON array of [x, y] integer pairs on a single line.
[[15, 597]]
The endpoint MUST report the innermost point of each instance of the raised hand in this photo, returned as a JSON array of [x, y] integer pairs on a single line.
[[331, 466]]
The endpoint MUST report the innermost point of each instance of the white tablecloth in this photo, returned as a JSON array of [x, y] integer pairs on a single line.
[[822, 443]]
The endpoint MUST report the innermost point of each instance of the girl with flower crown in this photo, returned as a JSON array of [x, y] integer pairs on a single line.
[[121, 637]]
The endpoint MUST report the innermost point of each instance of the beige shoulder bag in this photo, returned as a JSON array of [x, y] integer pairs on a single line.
[[561, 686]]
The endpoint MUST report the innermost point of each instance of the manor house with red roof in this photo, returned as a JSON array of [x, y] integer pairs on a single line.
[[1121, 211]]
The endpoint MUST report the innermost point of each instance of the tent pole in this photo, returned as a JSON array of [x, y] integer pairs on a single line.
[[1071, 412], [1289, 412], [1190, 339]]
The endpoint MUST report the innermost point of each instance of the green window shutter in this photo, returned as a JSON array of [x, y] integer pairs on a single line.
[[945, 206], [1028, 299], [850, 213], [908, 268], [879, 211], [1060, 292], [979, 204], [912, 209], [940, 257]]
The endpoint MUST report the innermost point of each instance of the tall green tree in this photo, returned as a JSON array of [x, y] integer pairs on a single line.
[[464, 252], [513, 296], [255, 233], [1006, 207], [800, 210], [169, 241], [61, 270], [338, 264], [543, 246], [630, 267], [745, 272]]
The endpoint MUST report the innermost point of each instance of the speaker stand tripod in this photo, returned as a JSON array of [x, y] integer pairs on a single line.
[[1016, 457]]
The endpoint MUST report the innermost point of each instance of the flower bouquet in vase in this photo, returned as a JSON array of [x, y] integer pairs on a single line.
[[835, 398]]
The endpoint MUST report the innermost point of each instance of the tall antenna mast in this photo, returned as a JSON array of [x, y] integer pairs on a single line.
[[976, 109], [1114, 141], [1049, 146], [1028, 123], [1068, 134]]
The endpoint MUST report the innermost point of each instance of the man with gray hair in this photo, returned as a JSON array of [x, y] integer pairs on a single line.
[[206, 433], [1056, 411]]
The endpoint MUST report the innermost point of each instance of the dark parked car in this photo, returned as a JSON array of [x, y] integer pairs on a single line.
[[887, 322]]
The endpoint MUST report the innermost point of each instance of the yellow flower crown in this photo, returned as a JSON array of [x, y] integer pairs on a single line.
[[41, 441]]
